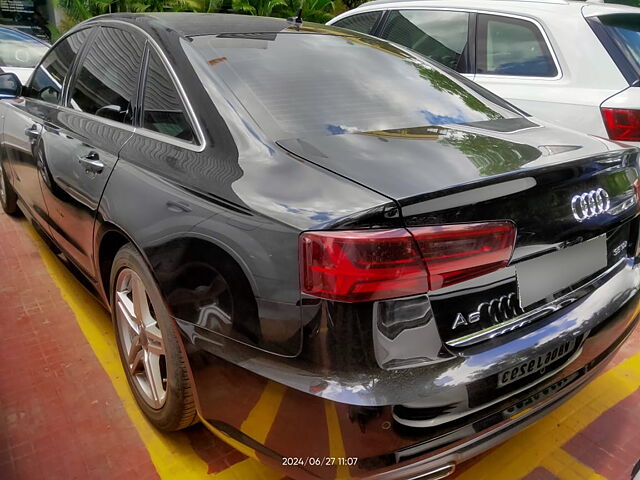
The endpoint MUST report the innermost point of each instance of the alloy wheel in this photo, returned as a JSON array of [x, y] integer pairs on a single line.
[[141, 339]]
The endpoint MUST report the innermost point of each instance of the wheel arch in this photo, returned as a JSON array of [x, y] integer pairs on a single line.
[[111, 238]]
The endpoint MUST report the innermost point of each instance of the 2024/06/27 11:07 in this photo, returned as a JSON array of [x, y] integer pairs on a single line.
[[319, 461]]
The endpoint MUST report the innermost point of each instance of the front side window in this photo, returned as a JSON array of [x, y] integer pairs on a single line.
[[511, 46], [441, 36], [362, 22], [106, 82], [163, 110], [19, 50], [47, 81]]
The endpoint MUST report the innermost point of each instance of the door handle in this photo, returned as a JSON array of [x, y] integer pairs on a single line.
[[33, 132], [91, 162]]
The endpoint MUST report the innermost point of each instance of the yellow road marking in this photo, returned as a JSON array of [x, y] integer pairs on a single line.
[[566, 467], [511, 461], [171, 454], [336, 445], [258, 424]]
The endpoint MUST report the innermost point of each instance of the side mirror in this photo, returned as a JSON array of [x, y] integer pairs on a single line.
[[10, 85], [112, 112], [49, 94]]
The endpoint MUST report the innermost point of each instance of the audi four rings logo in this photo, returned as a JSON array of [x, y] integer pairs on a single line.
[[590, 204]]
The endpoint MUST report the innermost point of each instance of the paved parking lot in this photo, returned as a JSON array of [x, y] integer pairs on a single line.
[[66, 411]]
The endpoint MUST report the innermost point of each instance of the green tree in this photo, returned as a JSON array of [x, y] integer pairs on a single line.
[[318, 11], [262, 8], [201, 6]]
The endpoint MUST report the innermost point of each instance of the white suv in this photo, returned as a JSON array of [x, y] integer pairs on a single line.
[[572, 63]]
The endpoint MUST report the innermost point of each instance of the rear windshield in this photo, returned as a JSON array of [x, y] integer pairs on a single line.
[[625, 29], [300, 84]]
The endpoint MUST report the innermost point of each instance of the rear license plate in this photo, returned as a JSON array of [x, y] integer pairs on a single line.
[[543, 276], [536, 364]]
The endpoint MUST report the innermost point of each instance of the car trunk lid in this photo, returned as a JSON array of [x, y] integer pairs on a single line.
[[571, 197]]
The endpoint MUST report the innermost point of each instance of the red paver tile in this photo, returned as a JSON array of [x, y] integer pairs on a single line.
[[59, 414], [611, 444], [541, 473]]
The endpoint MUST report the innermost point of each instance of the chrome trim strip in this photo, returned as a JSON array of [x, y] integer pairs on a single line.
[[538, 313], [435, 474]]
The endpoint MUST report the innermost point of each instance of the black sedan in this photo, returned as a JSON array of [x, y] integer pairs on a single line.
[[294, 218]]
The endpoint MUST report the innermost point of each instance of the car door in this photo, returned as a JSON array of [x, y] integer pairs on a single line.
[[515, 60], [440, 35], [82, 139], [25, 119]]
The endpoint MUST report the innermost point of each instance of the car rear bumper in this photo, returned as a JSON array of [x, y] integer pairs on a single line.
[[416, 421]]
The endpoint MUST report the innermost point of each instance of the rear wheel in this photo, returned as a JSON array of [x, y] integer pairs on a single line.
[[8, 197], [149, 350]]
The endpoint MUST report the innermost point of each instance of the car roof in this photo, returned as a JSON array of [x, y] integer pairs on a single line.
[[192, 24], [507, 6]]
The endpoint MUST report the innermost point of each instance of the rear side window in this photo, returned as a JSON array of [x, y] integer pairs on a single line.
[[510, 46], [625, 30], [362, 22], [46, 83], [441, 36], [107, 80], [163, 110]]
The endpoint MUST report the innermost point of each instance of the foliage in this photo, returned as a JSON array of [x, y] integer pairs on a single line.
[[203, 6], [54, 32], [318, 11], [263, 8], [76, 11], [352, 3]]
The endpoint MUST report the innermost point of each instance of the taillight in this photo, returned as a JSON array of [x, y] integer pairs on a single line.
[[365, 265], [455, 253], [356, 266], [622, 124]]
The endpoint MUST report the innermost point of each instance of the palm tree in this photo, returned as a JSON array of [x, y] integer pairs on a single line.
[[263, 8], [317, 10]]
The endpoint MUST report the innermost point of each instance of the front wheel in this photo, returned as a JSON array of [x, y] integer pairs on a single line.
[[149, 350], [8, 197]]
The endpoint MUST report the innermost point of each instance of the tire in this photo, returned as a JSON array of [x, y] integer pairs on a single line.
[[8, 197], [157, 372]]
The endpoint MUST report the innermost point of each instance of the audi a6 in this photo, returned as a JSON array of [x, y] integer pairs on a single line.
[[403, 267]]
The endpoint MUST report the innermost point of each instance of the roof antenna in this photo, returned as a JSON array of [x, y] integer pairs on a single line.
[[297, 19]]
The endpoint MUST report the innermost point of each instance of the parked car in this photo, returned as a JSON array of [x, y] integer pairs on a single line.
[[573, 63], [20, 52], [31, 30], [406, 268]]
